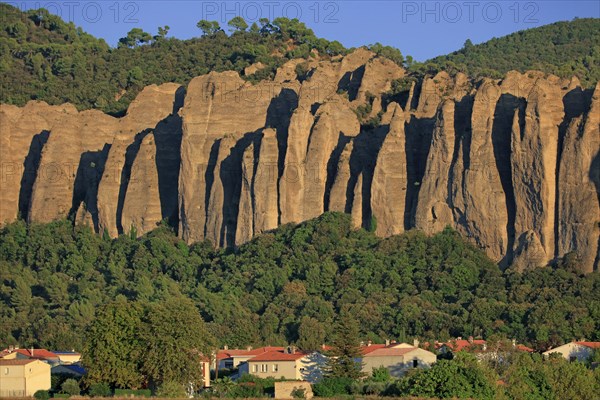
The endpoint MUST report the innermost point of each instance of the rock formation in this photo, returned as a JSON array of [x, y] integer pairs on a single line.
[[512, 164]]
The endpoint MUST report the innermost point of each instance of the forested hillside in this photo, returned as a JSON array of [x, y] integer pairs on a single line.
[[44, 58], [563, 48], [288, 286]]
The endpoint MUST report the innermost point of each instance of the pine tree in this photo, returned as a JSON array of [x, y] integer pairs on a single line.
[[343, 361]]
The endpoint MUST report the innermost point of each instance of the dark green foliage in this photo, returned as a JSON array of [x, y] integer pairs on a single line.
[[563, 48], [71, 387], [44, 58], [41, 395], [345, 351], [100, 389], [56, 280], [461, 377], [134, 393], [170, 389], [330, 387]]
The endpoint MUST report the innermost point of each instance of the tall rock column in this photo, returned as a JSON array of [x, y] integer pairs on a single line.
[[388, 189], [533, 162], [579, 188]]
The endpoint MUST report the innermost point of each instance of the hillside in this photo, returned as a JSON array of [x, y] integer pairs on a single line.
[[288, 286], [45, 58], [563, 48]]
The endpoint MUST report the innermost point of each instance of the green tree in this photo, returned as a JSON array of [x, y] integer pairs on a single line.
[[135, 37], [100, 389], [311, 334], [345, 352], [113, 348], [176, 340], [71, 387], [208, 28], [237, 24]]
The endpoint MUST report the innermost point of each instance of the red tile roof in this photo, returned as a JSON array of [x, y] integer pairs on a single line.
[[521, 347], [223, 354], [462, 344], [371, 348], [15, 362], [592, 345], [37, 353], [278, 356], [390, 351]]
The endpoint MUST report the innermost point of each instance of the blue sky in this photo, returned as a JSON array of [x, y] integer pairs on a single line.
[[423, 29]]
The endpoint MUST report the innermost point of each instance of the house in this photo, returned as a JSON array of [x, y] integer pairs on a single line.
[[287, 364], [575, 351], [23, 377], [230, 359], [36, 354], [481, 348], [397, 358], [68, 357]]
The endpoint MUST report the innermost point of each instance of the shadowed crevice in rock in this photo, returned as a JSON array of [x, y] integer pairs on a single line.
[[278, 117], [30, 172], [595, 178], [462, 130], [501, 142], [85, 190], [130, 155], [362, 161], [167, 137], [209, 178], [332, 167], [351, 81], [230, 174], [419, 133]]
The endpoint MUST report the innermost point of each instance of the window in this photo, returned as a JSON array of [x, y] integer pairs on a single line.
[[275, 367], [254, 368], [415, 363], [264, 368], [228, 364]]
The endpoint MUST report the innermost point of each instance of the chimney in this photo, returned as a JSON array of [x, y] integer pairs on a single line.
[[416, 342], [514, 342], [248, 348], [323, 346], [32, 351], [369, 343], [225, 347], [470, 339], [387, 342]]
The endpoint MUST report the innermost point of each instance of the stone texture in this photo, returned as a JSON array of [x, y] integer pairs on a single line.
[[511, 164]]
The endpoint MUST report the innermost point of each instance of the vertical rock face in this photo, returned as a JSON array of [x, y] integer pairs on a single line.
[[390, 179], [579, 188], [142, 208], [23, 135], [338, 197], [534, 163], [513, 165], [482, 197], [434, 209], [265, 198]]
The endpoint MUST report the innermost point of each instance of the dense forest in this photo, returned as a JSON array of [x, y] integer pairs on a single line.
[[44, 58], [563, 48], [289, 286]]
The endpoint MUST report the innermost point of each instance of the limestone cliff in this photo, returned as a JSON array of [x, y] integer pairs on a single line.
[[512, 164]]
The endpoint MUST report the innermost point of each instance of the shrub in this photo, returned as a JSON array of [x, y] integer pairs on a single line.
[[330, 387], [100, 390], [299, 393], [42, 395], [131, 392], [71, 387], [171, 389]]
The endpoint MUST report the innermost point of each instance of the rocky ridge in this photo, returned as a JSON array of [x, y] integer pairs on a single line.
[[512, 164]]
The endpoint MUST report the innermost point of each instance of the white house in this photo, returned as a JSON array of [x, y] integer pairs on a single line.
[[575, 351]]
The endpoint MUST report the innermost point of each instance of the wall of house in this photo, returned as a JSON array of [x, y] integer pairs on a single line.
[[24, 380], [286, 369], [572, 351], [398, 365]]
